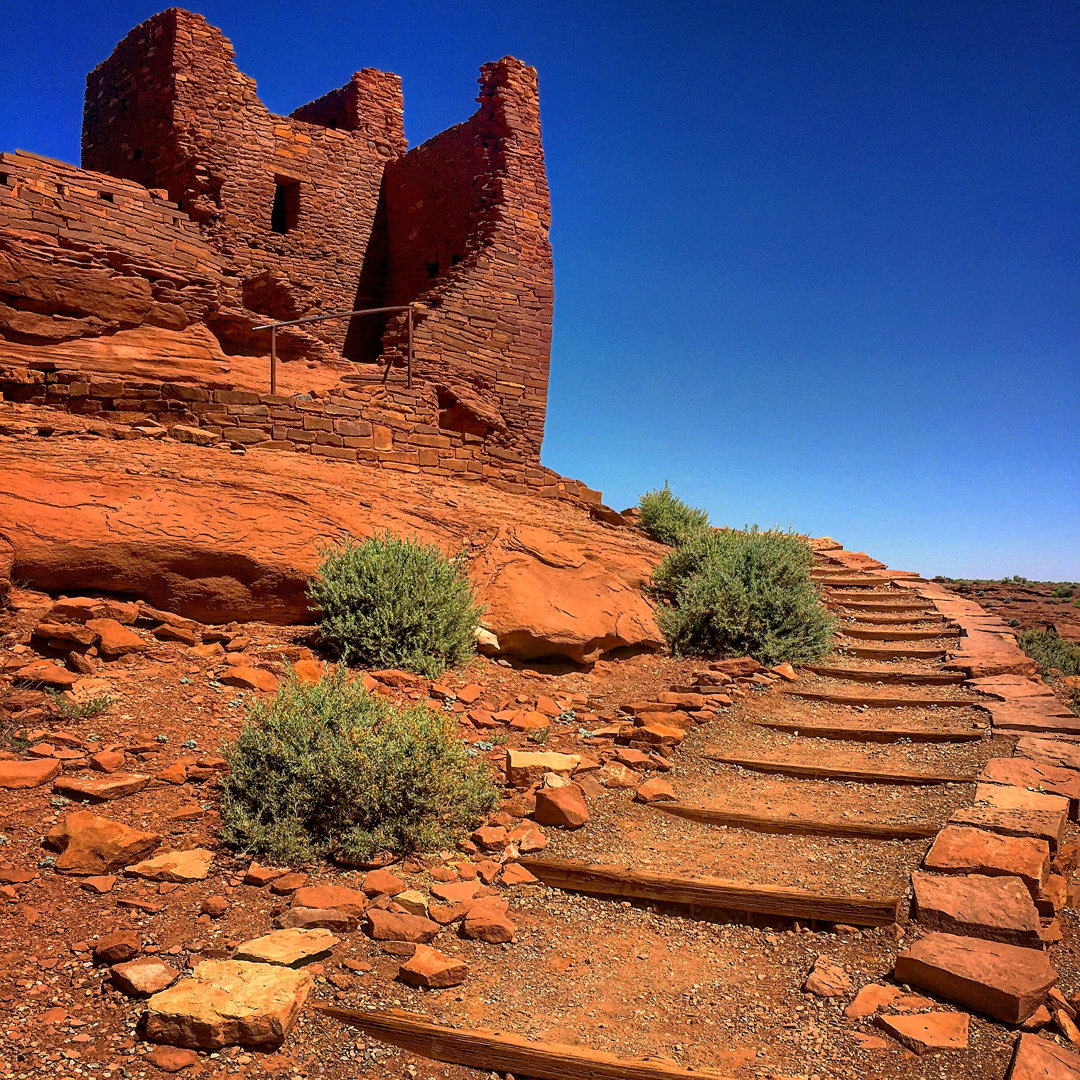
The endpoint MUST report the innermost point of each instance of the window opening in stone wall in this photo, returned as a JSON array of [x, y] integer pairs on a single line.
[[285, 213], [4, 177], [433, 269], [106, 195], [455, 259]]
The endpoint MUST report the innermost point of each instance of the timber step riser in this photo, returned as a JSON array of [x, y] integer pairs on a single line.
[[884, 652], [713, 894], [840, 772], [871, 734], [882, 701], [892, 678], [858, 633], [863, 830]]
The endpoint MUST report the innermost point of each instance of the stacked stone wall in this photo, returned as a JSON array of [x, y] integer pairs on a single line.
[[389, 426]]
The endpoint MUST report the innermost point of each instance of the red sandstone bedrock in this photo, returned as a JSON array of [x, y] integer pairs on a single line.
[[217, 537]]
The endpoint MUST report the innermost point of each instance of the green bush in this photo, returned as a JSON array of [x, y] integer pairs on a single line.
[[743, 593], [389, 602], [668, 519], [331, 769], [1050, 651]]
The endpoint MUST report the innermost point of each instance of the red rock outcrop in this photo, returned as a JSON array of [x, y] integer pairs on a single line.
[[217, 537]]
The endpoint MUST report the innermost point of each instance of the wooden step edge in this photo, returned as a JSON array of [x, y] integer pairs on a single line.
[[839, 772], [837, 697], [869, 652], [733, 819], [892, 678], [862, 634], [871, 733], [711, 893], [504, 1052]]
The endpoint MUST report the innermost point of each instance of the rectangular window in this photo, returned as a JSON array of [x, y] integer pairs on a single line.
[[286, 209]]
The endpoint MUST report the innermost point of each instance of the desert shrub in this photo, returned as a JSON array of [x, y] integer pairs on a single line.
[[392, 602], [76, 709], [330, 768], [668, 519], [1065, 591], [1051, 651], [1014, 622], [743, 593]]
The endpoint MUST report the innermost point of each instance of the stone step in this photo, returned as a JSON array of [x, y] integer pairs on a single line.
[[798, 826], [841, 596], [959, 849], [975, 905], [888, 674], [856, 732], [1048, 825], [1007, 982], [709, 893], [883, 699], [1035, 775], [854, 773]]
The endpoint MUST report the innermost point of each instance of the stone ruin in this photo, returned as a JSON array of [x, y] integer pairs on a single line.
[[130, 288]]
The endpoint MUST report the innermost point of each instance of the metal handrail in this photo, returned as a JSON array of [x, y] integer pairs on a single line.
[[273, 328]]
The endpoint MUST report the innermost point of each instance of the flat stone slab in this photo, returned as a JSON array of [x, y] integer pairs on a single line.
[[144, 977], [1058, 752], [1037, 775], [1007, 797], [925, 1033], [1004, 981], [291, 948], [1040, 1059], [996, 908], [337, 897], [960, 850], [526, 767], [229, 1003], [1047, 825], [28, 774], [100, 788], [174, 866]]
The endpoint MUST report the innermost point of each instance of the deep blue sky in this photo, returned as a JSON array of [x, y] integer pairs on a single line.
[[816, 263]]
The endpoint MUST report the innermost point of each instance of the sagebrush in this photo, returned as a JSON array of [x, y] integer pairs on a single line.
[[390, 602], [736, 593], [668, 519], [1051, 651], [330, 769]]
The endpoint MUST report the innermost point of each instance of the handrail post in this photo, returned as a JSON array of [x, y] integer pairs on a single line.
[[273, 359], [408, 369]]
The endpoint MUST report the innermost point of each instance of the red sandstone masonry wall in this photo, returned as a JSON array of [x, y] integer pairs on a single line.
[[89, 263], [478, 193], [220, 153]]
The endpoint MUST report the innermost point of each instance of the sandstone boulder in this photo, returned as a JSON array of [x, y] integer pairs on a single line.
[[564, 807], [1040, 1059], [228, 1003], [100, 788], [526, 767], [395, 926], [486, 920], [432, 969], [91, 845], [351, 901], [144, 977]]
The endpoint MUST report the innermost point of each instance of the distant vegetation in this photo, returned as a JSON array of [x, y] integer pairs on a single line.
[[390, 602], [76, 709], [331, 769], [668, 519], [1053, 654], [730, 593]]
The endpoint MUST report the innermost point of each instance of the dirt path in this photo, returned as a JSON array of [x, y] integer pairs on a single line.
[[630, 969]]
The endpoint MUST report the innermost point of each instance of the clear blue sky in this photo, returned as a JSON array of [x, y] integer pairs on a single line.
[[816, 263]]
